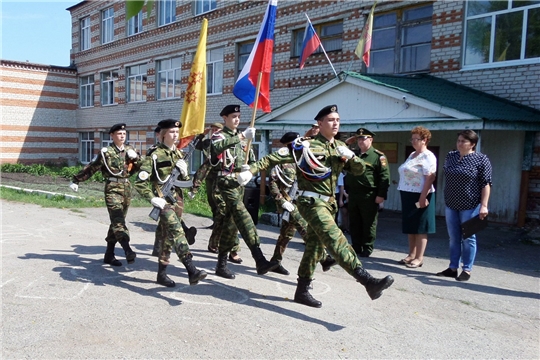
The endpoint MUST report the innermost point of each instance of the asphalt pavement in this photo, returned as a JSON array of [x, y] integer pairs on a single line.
[[59, 301]]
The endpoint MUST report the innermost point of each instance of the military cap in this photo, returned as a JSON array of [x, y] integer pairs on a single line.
[[117, 127], [217, 125], [315, 125], [157, 129], [229, 109], [325, 111], [289, 137], [169, 124], [364, 132]]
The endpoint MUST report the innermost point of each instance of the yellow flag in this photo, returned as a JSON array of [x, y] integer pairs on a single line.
[[364, 44], [194, 109]]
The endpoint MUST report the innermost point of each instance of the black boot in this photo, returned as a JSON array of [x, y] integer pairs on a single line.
[[155, 250], [195, 275], [374, 287], [302, 295], [328, 263], [281, 270], [221, 268], [263, 265], [130, 254], [162, 277], [190, 233], [109, 255]]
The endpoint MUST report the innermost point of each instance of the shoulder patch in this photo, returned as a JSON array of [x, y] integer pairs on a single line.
[[379, 152], [104, 149], [383, 160], [143, 175], [284, 151]]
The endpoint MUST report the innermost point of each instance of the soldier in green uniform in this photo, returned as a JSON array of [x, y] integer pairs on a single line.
[[318, 163], [367, 193], [229, 150], [116, 162], [283, 188], [155, 171]]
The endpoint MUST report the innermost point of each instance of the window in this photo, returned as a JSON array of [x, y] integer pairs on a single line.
[[86, 93], [331, 35], [136, 83], [108, 87], [86, 151], [501, 31], [107, 25], [203, 6], [137, 139], [244, 49], [106, 140], [169, 78], [85, 34], [214, 71], [401, 41], [135, 24], [167, 12]]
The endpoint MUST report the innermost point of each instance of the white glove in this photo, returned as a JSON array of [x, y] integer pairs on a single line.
[[158, 202], [288, 206], [244, 177], [191, 195], [132, 154], [345, 152], [74, 186], [182, 166], [245, 167], [249, 133], [305, 144]]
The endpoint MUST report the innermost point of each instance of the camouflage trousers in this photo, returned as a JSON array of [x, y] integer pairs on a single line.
[[211, 195], [219, 220], [117, 199], [161, 230], [236, 218], [173, 234], [286, 233], [323, 232]]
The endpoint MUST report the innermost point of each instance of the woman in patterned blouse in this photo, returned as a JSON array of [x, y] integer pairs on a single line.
[[466, 194]]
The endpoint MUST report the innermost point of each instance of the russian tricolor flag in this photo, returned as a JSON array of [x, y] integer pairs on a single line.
[[310, 44], [259, 61]]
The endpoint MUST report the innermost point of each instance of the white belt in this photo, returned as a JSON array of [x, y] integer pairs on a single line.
[[313, 195], [119, 180], [226, 173]]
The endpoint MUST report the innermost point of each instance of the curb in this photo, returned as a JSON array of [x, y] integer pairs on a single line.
[[48, 194]]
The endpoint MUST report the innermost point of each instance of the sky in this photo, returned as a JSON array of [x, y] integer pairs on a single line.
[[36, 31]]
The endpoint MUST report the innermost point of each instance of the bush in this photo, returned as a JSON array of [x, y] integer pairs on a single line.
[[50, 170]]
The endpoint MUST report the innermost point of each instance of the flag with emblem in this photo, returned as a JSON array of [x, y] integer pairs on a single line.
[[364, 45], [194, 109]]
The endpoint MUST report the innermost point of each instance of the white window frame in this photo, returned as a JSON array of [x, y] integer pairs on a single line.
[[136, 79], [491, 16], [106, 139], [108, 80], [86, 91], [85, 40], [137, 139], [107, 25], [166, 12], [214, 71], [169, 78], [86, 149], [135, 24], [203, 6]]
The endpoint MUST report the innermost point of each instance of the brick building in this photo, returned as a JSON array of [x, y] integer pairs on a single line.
[[135, 70]]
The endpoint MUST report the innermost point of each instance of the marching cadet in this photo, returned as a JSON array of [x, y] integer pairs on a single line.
[[319, 161], [367, 193], [155, 171], [283, 187], [228, 149], [116, 162]]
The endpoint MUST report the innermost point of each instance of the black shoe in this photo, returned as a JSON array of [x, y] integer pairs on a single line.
[[463, 276], [328, 263], [448, 273], [364, 254], [302, 295], [190, 235], [213, 250], [281, 270], [112, 261], [221, 268], [162, 278]]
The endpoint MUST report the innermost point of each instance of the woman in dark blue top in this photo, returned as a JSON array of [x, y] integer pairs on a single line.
[[466, 194]]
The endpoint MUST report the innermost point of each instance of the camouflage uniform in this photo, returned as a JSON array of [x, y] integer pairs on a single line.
[[116, 167]]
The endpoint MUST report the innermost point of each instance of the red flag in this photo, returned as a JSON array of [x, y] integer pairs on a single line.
[[364, 44]]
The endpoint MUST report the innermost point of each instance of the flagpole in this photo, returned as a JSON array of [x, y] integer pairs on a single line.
[[253, 114], [322, 47]]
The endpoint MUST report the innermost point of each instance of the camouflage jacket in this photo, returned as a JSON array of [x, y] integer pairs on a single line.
[[112, 162], [206, 170], [277, 187], [325, 152], [155, 170], [229, 151]]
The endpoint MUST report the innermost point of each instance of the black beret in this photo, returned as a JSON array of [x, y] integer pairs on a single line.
[[117, 127], [325, 111], [157, 129], [364, 132], [229, 109], [289, 137], [169, 124]]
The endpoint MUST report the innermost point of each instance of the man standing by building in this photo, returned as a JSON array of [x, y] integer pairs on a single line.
[[367, 193], [229, 149], [116, 162]]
